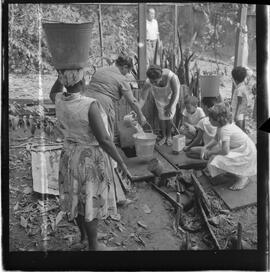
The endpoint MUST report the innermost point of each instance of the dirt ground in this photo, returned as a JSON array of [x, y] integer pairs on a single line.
[[36, 222]]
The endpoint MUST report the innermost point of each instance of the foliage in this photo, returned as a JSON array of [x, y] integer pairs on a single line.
[[26, 37]]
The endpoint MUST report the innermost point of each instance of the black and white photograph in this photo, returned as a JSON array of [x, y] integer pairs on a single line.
[[133, 127]]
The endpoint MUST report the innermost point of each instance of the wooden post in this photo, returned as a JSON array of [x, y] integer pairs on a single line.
[[142, 41], [239, 45], [100, 33], [175, 35]]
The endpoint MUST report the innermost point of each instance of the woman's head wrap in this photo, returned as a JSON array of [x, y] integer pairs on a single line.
[[154, 72]]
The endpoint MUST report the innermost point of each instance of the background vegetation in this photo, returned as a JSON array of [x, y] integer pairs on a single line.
[[210, 21]]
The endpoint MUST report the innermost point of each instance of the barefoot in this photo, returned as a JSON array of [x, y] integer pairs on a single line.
[[162, 141], [102, 247], [78, 246], [241, 183], [169, 141]]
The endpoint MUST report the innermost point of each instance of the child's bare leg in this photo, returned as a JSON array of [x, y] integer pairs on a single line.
[[163, 132], [241, 182], [169, 131], [194, 152]]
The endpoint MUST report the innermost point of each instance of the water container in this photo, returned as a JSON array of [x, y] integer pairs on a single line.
[[179, 142], [45, 168], [209, 85], [144, 145], [68, 44]]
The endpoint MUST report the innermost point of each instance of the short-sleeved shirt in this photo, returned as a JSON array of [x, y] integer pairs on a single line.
[[152, 29], [109, 81], [194, 118], [240, 91], [233, 134], [209, 131]]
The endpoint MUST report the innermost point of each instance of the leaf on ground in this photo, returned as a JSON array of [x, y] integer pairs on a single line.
[[41, 203], [23, 222], [146, 209], [101, 235], [141, 224], [28, 190], [15, 208], [59, 217], [116, 217]]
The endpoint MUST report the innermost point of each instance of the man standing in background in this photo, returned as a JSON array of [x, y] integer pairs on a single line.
[[152, 36]]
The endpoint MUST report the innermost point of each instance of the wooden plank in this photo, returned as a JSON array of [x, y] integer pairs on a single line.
[[119, 193], [124, 182], [100, 33], [142, 41], [177, 205], [208, 225], [180, 161], [199, 189], [138, 167]]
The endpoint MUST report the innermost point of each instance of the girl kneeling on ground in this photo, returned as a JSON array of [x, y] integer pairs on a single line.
[[237, 154]]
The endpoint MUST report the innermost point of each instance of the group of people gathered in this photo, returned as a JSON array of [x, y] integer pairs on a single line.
[[86, 117]]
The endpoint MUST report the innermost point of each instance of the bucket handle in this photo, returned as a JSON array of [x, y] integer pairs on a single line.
[[173, 124], [151, 130]]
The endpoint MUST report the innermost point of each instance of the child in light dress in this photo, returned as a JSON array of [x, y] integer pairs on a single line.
[[239, 99], [205, 131], [192, 114], [237, 154]]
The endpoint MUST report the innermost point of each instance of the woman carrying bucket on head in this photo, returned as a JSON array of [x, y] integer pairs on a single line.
[[165, 87], [86, 174]]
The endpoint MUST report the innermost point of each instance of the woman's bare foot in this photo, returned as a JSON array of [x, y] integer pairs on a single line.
[[162, 141], [240, 183], [102, 247], [169, 141]]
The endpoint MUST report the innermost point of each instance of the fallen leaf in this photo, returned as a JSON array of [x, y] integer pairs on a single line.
[[116, 217], [142, 225], [59, 217], [101, 235], [146, 209], [28, 190], [15, 208], [23, 222]]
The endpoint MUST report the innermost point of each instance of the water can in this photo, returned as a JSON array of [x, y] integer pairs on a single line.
[[179, 142], [209, 85], [68, 44], [45, 168], [144, 145]]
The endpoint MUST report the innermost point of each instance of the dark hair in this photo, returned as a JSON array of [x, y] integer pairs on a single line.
[[192, 100], [209, 102], [154, 72], [123, 60], [239, 73], [220, 113]]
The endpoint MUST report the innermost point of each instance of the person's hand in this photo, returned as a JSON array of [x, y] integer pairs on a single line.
[[124, 170], [168, 110], [186, 149], [203, 150], [142, 120]]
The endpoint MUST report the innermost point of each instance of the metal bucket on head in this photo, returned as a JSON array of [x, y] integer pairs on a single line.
[[68, 44]]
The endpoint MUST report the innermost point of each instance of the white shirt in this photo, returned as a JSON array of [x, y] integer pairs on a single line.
[[194, 118], [209, 131], [233, 134], [152, 30]]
